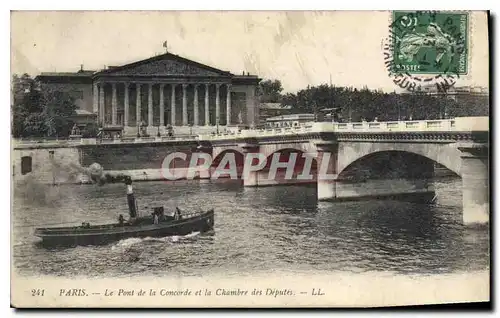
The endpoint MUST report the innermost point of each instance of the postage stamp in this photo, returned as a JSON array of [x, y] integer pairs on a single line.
[[430, 42], [427, 49]]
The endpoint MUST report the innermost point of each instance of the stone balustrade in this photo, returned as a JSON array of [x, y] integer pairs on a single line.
[[48, 143], [461, 124]]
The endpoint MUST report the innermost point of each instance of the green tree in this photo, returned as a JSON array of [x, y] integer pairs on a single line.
[[59, 108], [357, 104], [269, 91], [39, 112], [90, 130]]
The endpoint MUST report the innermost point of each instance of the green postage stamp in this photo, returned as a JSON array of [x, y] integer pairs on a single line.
[[430, 42]]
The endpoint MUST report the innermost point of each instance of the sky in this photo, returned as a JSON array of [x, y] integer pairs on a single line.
[[299, 48]]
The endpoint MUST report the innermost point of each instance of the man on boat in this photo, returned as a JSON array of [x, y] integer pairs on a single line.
[[132, 204], [177, 214]]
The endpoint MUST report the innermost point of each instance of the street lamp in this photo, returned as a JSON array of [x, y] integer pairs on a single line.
[[217, 123]]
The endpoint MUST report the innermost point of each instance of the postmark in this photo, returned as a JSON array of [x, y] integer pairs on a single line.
[[427, 49]]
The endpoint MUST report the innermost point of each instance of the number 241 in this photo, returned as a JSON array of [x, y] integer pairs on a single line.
[[37, 292]]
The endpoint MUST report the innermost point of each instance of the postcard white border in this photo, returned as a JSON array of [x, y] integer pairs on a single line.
[[195, 5]]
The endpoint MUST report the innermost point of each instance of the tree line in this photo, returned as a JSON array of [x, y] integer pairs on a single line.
[[357, 104], [39, 112]]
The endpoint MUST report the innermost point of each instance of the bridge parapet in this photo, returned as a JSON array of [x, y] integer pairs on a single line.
[[397, 126], [460, 124], [74, 142]]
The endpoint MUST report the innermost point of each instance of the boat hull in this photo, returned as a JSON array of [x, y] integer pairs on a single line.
[[100, 235]]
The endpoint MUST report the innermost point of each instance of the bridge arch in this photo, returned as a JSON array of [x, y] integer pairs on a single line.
[[284, 156], [217, 151], [303, 147], [238, 155], [446, 155], [389, 165]]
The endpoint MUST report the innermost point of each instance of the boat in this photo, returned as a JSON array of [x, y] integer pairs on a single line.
[[155, 225]]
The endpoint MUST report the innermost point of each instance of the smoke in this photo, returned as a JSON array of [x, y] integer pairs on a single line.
[[32, 191], [110, 178], [36, 188], [71, 171], [94, 172]]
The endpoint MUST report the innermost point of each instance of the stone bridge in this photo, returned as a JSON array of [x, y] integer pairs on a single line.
[[376, 159]]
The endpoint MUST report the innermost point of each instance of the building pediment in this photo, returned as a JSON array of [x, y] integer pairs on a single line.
[[164, 66]]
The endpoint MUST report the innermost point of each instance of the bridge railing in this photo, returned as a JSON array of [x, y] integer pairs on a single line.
[[456, 124], [444, 125], [93, 141], [297, 130], [396, 126]]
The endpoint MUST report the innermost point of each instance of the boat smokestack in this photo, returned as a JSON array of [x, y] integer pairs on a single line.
[[130, 198]]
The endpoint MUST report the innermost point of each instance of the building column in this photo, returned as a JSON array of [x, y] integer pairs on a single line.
[[475, 180], [252, 107], [95, 107], [114, 104], [172, 105], [184, 105], [327, 166], [150, 104], [217, 104], [228, 105], [207, 112], [101, 104], [138, 104], [195, 105], [126, 105], [162, 107]]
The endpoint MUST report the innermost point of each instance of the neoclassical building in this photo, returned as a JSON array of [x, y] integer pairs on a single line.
[[162, 90]]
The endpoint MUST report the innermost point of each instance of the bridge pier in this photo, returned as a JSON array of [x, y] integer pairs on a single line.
[[409, 190], [327, 168], [475, 177], [250, 176], [205, 172]]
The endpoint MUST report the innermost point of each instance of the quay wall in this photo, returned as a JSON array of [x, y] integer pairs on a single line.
[[67, 164], [52, 165]]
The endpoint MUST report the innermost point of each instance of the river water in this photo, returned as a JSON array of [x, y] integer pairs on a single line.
[[270, 229]]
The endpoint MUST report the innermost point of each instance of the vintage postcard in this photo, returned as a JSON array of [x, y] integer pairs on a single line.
[[249, 159]]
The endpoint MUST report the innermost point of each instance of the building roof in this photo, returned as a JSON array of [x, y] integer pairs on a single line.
[[160, 58], [473, 90], [172, 65], [75, 74], [83, 112], [166, 65], [82, 76], [276, 106], [291, 117]]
